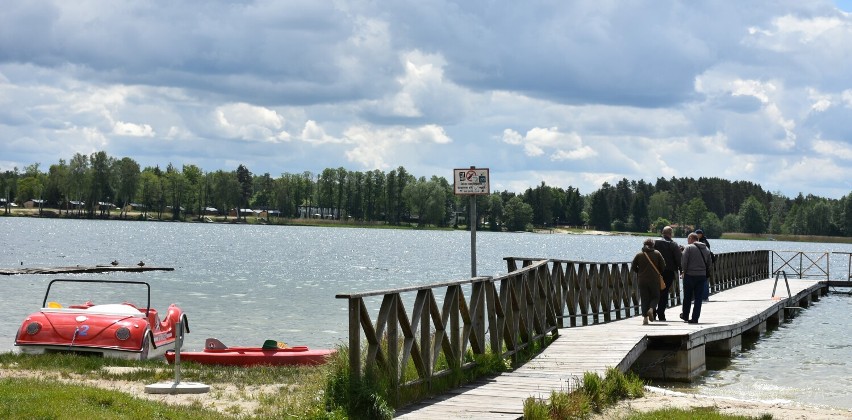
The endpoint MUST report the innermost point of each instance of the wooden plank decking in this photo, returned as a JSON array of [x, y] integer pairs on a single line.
[[617, 344]]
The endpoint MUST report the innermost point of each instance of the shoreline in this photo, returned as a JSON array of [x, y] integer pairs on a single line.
[[253, 220], [659, 398]]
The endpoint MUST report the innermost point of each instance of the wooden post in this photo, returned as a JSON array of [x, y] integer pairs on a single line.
[[425, 296], [558, 283], [477, 315], [455, 326], [355, 339], [495, 318], [393, 343]]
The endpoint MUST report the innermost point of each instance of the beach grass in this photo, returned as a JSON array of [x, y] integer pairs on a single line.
[[46, 399], [695, 413], [63, 385], [594, 395]]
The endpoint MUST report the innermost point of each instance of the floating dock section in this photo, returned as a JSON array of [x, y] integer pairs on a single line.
[[79, 269]]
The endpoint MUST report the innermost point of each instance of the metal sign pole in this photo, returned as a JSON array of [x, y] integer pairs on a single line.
[[177, 387], [472, 224], [178, 344], [471, 182]]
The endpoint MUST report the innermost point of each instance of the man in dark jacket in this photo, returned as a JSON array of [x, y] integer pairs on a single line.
[[703, 240], [671, 253], [694, 262]]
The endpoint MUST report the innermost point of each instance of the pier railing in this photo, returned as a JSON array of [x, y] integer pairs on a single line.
[[599, 292], [448, 322], [589, 292], [421, 333], [848, 256], [801, 264], [733, 269]]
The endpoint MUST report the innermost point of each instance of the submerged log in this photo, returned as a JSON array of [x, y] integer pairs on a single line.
[[81, 269]]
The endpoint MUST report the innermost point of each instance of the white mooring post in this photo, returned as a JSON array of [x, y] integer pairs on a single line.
[[177, 387]]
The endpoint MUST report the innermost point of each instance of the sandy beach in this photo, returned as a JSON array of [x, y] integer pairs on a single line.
[[657, 398], [229, 399]]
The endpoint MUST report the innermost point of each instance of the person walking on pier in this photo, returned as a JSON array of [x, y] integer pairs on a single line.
[[695, 260], [703, 240], [671, 253], [648, 263]]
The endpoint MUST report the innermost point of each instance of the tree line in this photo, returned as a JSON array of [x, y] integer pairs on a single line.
[[84, 185]]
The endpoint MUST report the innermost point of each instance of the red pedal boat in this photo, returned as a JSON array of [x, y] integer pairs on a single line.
[[272, 353], [122, 330]]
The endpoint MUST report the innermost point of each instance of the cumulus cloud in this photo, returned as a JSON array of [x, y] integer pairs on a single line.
[[314, 133], [122, 128], [88, 139], [821, 101], [786, 33], [421, 93], [846, 96], [578, 92], [374, 147], [811, 170], [560, 146], [250, 123], [779, 131], [833, 149]]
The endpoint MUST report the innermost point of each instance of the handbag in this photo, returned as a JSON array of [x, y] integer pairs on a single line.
[[662, 282], [706, 267]]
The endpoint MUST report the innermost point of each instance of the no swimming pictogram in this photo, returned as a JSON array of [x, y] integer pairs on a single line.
[[471, 181]]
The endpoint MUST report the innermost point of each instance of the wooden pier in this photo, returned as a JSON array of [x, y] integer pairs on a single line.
[[79, 269], [671, 350], [589, 310]]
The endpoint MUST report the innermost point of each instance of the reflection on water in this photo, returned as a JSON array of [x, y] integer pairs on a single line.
[[244, 284]]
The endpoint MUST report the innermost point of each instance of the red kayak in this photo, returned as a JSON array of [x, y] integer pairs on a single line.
[[272, 353]]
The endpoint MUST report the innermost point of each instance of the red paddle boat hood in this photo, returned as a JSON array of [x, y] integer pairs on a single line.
[[122, 330]]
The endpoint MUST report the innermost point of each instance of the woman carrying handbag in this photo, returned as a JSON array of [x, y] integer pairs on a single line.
[[648, 264]]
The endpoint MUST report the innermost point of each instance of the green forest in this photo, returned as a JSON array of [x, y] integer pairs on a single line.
[[98, 186]]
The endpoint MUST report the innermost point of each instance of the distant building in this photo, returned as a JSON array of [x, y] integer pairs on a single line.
[[135, 207], [34, 204], [317, 212], [243, 212], [266, 214]]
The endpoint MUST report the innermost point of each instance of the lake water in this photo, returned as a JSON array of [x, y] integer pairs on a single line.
[[807, 360], [247, 283]]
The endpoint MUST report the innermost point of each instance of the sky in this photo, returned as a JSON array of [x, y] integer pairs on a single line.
[[569, 93]]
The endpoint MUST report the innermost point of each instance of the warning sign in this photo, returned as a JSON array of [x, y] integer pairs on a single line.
[[471, 181]]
